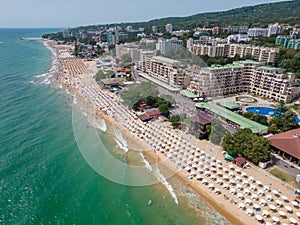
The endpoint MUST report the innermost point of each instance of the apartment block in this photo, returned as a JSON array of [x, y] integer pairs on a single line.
[[168, 45], [262, 54], [128, 48], [246, 76], [164, 69]]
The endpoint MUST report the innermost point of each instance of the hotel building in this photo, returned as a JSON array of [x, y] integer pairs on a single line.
[[262, 54], [245, 76], [163, 69]]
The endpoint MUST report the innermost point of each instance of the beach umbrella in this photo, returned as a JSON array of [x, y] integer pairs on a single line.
[[240, 196], [260, 192], [293, 220], [232, 191], [200, 170], [268, 223], [249, 212], [225, 169], [298, 214], [206, 173], [256, 207], [225, 186], [244, 174], [188, 169], [231, 174], [259, 183], [284, 198], [204, 181], [294, 203], [238, 178], [241, 206], [282, 214], [252, 187], [231, 166], [217, 191], [246, 191], [198, 177], [239, 187], [219, 173], [266, 188], [213, 177], [278, 202], [289, 209], [245, 183], [248, 201], [269, 197], [219, 162], [275, 219], [251, 179], [219, 181], [275, 192], [272, 207], [225, 177], [262, 202], [193, 173], [254, 196], [258, 217], [220, 167], [213, 169], [211, 186], [237, 170], [265, 213], [232, 181]]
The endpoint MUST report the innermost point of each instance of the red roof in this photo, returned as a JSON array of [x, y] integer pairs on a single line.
[[144, 117], [153, 113], [288, 142], [240, 160]]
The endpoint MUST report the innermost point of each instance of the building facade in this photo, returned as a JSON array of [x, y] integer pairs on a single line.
[[168, 45], [245, 76], [128, 48]]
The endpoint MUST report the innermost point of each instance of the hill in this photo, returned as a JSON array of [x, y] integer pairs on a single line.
[[286, 12]]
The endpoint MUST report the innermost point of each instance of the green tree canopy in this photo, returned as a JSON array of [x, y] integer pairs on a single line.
[[248, 145]]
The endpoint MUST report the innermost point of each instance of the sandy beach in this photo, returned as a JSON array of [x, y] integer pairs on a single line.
[[242, 196]]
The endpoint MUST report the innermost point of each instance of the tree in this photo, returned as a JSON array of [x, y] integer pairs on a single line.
[[245, 143], [164, 109], [289, 119], [217, 132]]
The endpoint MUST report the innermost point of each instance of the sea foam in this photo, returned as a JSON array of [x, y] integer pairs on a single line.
[[120, 140]]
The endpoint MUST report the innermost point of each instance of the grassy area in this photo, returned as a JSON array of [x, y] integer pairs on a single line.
[[246, 99], [282, 175]]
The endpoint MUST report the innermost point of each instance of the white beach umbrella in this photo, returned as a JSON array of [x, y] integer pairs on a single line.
[[278, 202], [266, 188], [217, 191], [248, 201], [245, 183], [225, 177], [259, 183], [289, 209], [219, 181], [249, 212], [241, 206], [231, 166], [294, 203], [268, 223], [232, 191], [219, 162], [220, 167], [198, 177], [237, 170], [204, 181], [246, 191], [251, 179], [258, 217], [262, 202], [232, 181], [206, 173], [275, 192], [298, 214], [219, 173], [252, 187], [225, 186], [213, 177], [211, 186], [265, 213], [244, 174], [282, 214], [238, 178], [293, 220], [261, 192], [284, 198], [225, 169], [275, 219], [239, 187], [254, 196], [269, 197], [272, 207], [240, 196]]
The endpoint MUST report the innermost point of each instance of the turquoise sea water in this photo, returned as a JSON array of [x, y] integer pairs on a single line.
[[43, 176]]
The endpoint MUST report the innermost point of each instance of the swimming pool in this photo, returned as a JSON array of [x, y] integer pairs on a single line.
[[265, 111]]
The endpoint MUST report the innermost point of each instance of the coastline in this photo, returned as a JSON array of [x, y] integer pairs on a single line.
[[228, 210]]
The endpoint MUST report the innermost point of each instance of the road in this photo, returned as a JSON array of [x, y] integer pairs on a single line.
[[285, 165]]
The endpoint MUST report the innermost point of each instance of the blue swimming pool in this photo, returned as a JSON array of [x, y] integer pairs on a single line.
[[265, 111]]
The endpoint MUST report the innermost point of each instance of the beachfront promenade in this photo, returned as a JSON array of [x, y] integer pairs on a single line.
[[246, 194]]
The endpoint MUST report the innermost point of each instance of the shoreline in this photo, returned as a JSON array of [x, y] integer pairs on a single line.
[[228, 210]]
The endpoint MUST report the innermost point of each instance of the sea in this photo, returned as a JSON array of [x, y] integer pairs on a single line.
[[44, 176]]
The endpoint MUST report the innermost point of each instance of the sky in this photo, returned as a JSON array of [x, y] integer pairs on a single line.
[[73, 13]]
